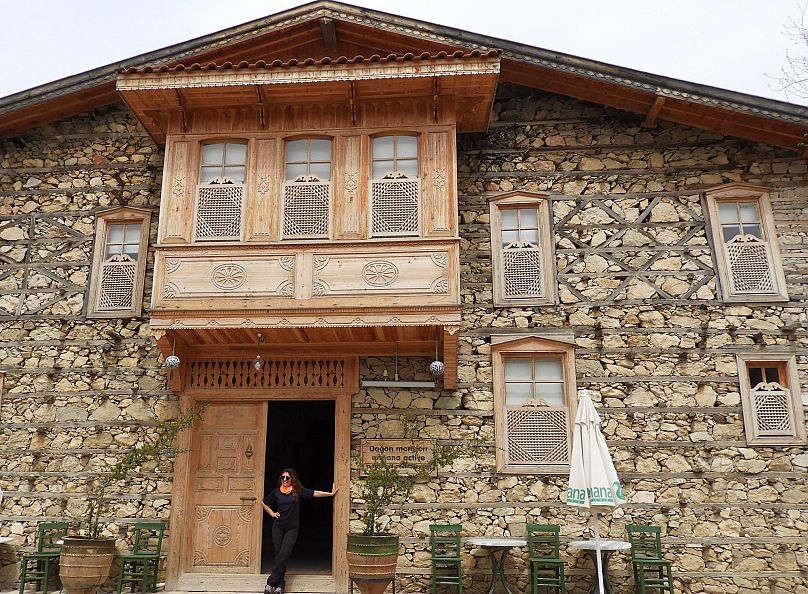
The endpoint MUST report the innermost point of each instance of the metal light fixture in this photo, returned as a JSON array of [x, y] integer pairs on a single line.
[[259, 362], [436, 367], [396, 383], [172, 361]]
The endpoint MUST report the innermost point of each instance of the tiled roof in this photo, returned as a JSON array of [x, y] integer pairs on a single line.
[[261, 64]]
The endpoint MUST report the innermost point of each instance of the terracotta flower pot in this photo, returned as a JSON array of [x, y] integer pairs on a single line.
[[372, 561], [84, 563]]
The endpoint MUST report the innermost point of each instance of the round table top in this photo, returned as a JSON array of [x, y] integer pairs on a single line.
[[5, 539], [500, 542], [605, 545]]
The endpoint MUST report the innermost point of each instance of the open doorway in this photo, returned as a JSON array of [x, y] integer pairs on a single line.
[[300, 434]]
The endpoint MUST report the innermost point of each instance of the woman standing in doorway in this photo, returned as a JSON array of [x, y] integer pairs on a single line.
[[283, 504]]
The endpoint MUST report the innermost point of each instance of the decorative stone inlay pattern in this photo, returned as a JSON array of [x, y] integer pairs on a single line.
[[379, 273], [228, 277]]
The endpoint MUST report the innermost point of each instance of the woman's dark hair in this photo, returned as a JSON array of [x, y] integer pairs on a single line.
[[295, 481]]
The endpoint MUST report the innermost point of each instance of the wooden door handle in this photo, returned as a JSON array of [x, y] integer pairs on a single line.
[[249, 451], [248, 498]]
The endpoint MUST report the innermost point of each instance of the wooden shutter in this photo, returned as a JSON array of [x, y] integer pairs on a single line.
[[537, 435]]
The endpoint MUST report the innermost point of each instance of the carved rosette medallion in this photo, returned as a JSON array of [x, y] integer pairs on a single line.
[[228, 277], [379, 273], [222, 536]]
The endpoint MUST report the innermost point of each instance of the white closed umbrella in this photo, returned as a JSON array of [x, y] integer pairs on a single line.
[[593, 479]]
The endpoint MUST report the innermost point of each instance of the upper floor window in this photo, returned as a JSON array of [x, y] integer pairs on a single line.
[[523, 267], [770, 396], [220, 195], [534, 402], [119, 263], [746, 251], [223, 160], [395, 187], [307, 191], [308, 157]]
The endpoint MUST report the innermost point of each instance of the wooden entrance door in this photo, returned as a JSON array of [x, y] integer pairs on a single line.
[[227, 454]]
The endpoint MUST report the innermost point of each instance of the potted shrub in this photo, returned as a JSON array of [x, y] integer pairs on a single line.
[[85, 560], [373, 554]]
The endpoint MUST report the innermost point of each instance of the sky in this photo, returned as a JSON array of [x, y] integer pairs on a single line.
[[732, 44]]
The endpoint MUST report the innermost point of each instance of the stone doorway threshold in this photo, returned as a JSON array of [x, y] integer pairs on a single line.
[[211, 582]]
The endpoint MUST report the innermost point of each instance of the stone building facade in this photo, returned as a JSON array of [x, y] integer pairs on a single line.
[[639, 304]]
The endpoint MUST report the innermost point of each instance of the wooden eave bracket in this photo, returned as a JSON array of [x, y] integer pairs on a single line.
[[329, 32], [450, 336], [653, 112]]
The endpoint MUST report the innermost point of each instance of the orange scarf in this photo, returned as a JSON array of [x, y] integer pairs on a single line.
[[287, 489]]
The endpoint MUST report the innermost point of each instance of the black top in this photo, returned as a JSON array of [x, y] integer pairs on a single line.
[[288, 506]]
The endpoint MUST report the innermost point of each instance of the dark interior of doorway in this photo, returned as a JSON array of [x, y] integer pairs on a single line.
[[300, 435]]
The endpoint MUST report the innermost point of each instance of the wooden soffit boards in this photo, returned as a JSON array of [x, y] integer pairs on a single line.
[[658, 104], [471, 79]]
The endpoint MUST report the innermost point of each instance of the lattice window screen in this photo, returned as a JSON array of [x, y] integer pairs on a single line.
[[117, 283], [306, 208], [241, 374], [750, 265], [522, 271], [394, 206], [771, 404], [218, 212], [537, 435]]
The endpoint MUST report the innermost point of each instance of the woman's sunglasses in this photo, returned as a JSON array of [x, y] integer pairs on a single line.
[[286, 477]]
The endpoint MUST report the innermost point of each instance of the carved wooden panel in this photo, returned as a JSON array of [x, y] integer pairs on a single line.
[[117, 283], [219, 208], [226, 485], [263, 190], [348, 191], [240, 374], [395, 206], [537, 435], [176, 214], [750, 265], [222, 274], [389, 273], [771, 405], [306, 208], [438, 195]]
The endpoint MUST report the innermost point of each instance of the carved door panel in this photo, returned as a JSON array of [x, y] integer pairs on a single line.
[[226, 486]]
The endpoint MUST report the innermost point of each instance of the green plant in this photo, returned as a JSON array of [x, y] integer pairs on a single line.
[[385, 483], [156, 442]]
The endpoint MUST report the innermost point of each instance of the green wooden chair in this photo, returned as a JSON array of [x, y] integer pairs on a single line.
[[444, 540], [651, 571], [40, 567], [139, 569], [546, 565]]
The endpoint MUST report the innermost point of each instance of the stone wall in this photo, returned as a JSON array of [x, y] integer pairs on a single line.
[[657, 347], [76, 392], [654, 343]]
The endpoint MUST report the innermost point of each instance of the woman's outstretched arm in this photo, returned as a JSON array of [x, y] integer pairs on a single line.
[[330, 493]]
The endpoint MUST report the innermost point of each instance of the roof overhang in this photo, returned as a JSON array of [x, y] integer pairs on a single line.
[[469, 79], [296, 31]]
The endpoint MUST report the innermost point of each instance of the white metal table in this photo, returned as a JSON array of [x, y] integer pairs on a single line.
[[494, 545], [607, 548]]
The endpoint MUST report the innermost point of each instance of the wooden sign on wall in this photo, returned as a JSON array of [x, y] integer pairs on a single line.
[[398, 451]]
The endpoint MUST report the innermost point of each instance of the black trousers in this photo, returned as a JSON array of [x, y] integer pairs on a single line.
[[283, 541]]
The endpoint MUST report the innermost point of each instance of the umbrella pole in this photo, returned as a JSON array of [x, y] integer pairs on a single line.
[[596, 521]]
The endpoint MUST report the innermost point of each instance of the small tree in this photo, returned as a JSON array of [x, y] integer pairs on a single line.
[[156, 442], [793, 79]]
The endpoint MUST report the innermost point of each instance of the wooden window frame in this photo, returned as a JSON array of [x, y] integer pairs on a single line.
[[118, 216], [789, 365], [328, 232], [503, 347], [739, 192], [416, 181], [542, 203]]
